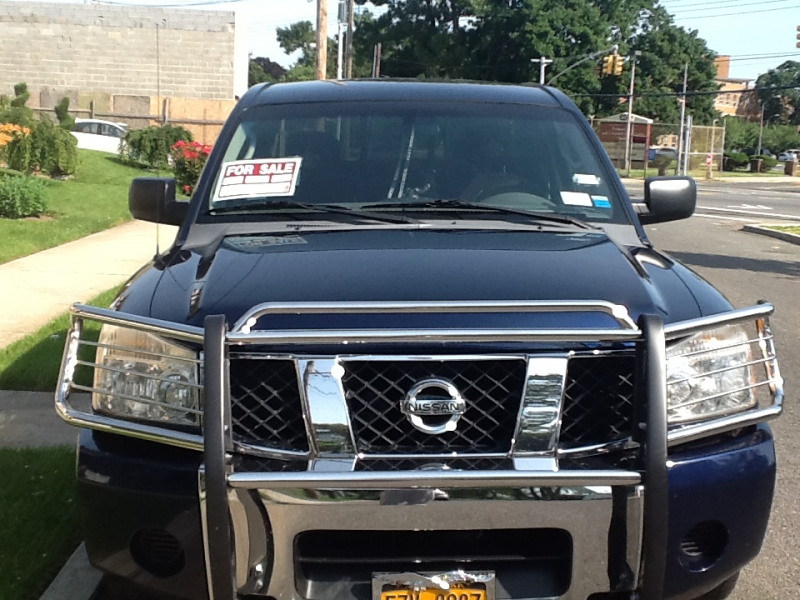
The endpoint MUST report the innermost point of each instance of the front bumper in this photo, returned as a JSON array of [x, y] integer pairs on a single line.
[[615, 529], [719, 482]]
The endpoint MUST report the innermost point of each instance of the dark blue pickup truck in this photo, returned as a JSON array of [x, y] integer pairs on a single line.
[[412, 343]]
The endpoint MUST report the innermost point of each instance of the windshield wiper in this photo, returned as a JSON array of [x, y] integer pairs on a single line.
[[457, 203], [323, 208]]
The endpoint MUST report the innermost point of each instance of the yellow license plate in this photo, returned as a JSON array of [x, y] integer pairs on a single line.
[[452, 594]]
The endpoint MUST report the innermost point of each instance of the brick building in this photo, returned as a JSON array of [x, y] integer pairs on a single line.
[[733, 98]]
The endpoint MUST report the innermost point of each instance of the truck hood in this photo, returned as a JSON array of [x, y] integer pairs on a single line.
[[397, 265]]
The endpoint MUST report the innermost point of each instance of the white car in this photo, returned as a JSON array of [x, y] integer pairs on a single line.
[[95, 134], [788, 155]]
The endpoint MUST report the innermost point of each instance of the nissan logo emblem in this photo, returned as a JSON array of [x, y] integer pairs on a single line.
[[433, 399]]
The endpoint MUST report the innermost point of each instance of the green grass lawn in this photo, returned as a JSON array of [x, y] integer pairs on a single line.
[[40, 527], [94, 200], [785, 228], [33, 362]]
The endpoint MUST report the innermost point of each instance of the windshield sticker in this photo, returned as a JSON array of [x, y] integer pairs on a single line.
[[258, 178], [576, 198], [586, 179], [601, 201]]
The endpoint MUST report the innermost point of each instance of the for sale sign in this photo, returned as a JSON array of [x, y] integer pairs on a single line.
[[263, 177]]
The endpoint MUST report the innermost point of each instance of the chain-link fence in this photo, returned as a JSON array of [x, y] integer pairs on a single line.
[[664, 155]]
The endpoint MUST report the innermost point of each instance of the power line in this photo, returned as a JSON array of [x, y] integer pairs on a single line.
[[734, 14], [688, 94], [716, 5]]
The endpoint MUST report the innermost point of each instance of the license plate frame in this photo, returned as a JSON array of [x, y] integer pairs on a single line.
[[423, 586]]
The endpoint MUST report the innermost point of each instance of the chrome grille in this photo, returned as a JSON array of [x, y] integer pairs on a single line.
[[455, 464], [265, 404], [492, 389], [598, 400]]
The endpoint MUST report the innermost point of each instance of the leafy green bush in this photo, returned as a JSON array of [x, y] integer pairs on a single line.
[[65, 120], [15, 110], [768, 163], [21, 197], [151, 145], [735, 160], [49, 149]]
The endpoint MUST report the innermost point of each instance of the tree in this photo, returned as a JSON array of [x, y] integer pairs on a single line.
[[784, 104], [495, 40], [666, 49], [302, 37]]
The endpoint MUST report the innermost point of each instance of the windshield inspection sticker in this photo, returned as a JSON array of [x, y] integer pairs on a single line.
[[585, 179], [258, 178], [601, 201], [576, 198]]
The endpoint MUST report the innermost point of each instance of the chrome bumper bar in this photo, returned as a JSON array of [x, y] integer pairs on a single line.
[[234, 502]]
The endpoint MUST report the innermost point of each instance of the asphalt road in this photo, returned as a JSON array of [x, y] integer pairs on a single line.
[[743, 202], [748, 267]]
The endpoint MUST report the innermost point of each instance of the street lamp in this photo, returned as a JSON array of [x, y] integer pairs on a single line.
[[761, 129], [710, 164]]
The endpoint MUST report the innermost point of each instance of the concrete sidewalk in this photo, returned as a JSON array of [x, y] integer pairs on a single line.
[[39, 287]]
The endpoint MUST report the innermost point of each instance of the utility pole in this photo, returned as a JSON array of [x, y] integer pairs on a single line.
[[322, 38], [376, 61], [543, 62], [351, 25], [630, 113], [761, 130], [342, 25], [683, 120]]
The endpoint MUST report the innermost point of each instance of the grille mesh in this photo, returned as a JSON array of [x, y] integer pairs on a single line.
[[491, 388], [456, 464], [265, 404], [598, 400]]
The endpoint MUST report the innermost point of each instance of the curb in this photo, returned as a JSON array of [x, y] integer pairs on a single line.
[[77, 580], [792, 238]]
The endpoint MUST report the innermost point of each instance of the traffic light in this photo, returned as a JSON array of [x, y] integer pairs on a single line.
[[618, 64], [613, 64], [608, 64]]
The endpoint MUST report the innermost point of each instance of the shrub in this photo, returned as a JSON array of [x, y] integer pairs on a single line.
[[151, 145], [735, 160], [767, 162], [21, 196], [48, 148], [15, 110], [65, 120], [188, 159]]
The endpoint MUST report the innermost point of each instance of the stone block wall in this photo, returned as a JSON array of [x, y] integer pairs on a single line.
[[77, 50]]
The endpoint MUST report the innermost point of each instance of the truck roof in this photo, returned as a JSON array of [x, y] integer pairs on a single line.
[[401, 90]]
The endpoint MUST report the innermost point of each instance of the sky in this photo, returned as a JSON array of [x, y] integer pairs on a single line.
[[758, 35]]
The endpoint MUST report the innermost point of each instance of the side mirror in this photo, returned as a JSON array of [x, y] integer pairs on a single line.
[[153, 199], [668, 199]]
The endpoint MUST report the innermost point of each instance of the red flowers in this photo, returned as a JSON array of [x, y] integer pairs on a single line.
[[188, 160]]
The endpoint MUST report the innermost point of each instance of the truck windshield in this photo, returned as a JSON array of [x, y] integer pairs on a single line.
[[406, 156]]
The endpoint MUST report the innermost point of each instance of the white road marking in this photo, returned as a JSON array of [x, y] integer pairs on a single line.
[[726, 218], [751, 212], [756, 206]]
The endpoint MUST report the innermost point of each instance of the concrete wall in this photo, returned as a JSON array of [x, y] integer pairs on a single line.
[[75, 49]]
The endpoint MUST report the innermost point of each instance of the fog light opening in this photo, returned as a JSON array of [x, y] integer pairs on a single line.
[[703, 545], [157, 551]]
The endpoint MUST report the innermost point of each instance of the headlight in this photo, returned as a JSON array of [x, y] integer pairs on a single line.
[[143, 376], [711, 374]]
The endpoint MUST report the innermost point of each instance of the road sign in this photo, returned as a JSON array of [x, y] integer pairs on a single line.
[[709, 159]]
